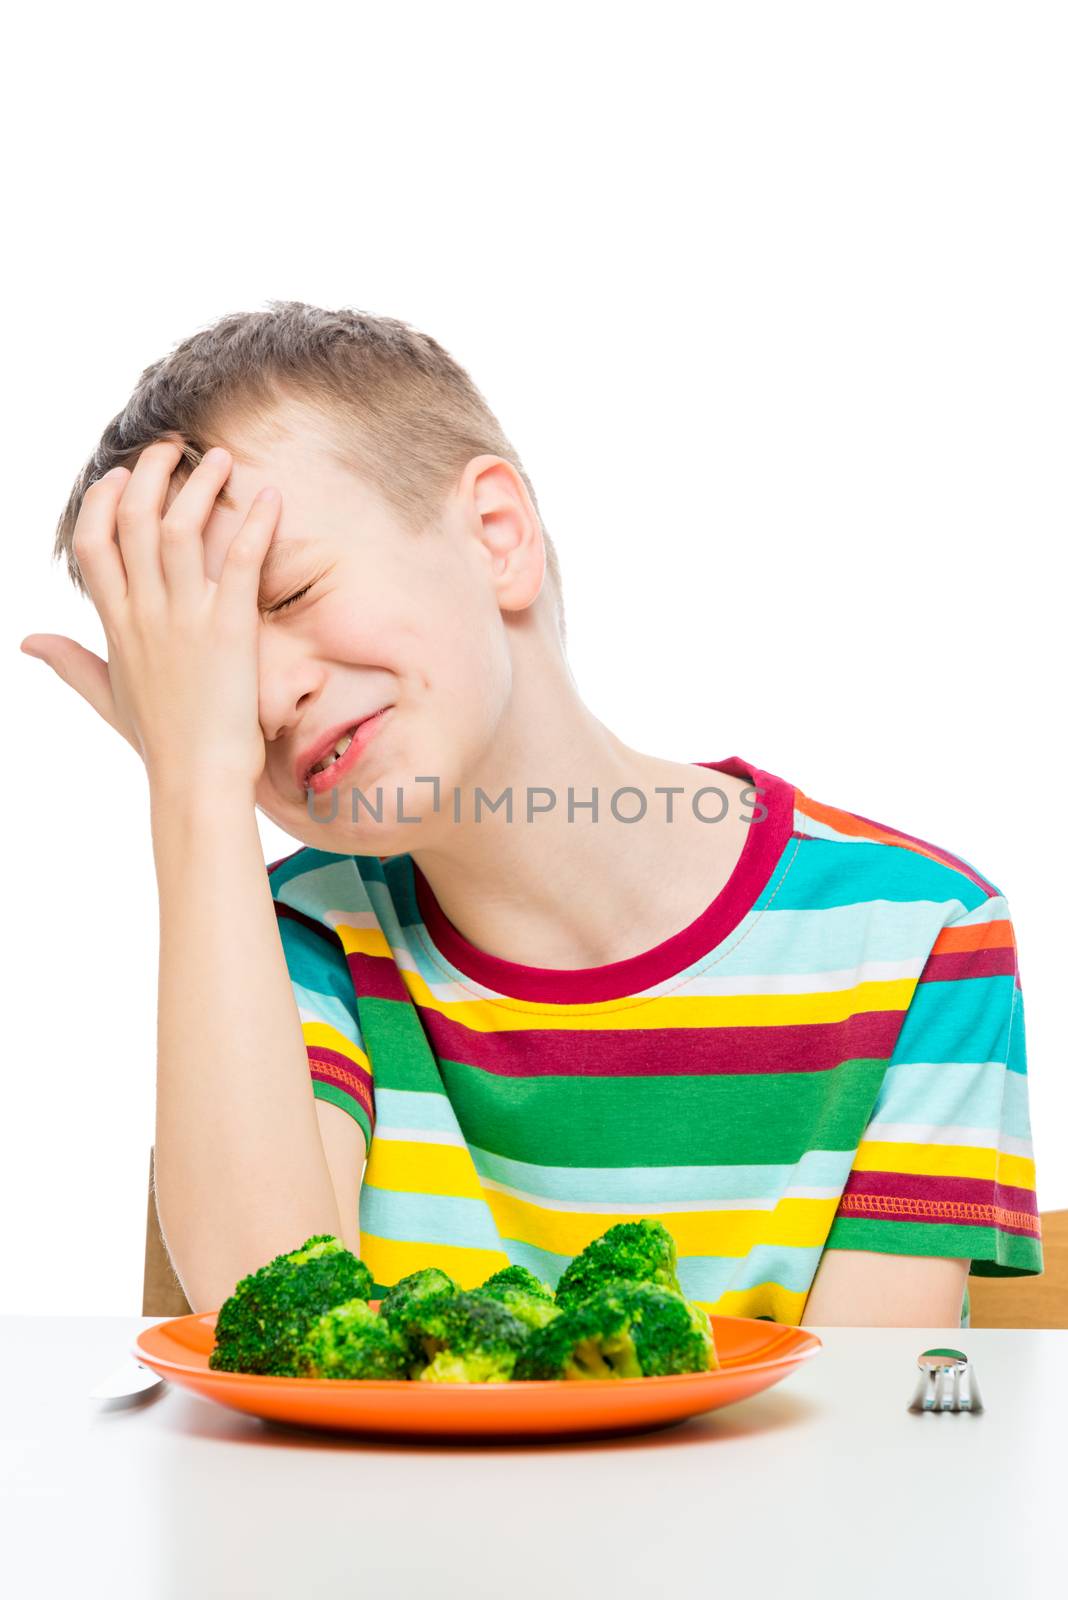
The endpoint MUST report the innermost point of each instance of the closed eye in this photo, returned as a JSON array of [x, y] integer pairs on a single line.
[[282, 604]]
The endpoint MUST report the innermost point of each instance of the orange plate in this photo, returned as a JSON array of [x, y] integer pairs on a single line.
[[753, 1355]]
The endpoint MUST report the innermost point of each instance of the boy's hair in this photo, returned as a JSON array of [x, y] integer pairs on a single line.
[[397, 409]]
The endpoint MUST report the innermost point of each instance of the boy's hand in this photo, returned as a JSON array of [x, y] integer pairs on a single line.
[[181, 681]]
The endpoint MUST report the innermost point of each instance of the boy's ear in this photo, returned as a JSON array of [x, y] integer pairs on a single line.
[[509, 528]]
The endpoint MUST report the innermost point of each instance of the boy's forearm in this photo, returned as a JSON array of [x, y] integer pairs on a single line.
[[240, 1170]]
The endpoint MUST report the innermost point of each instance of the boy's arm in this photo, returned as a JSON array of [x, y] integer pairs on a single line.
[[346, 1153], [943, 1181], [869, 1289], [241, 1171]]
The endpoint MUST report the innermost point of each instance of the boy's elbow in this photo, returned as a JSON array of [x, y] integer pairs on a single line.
[[209, 1275]]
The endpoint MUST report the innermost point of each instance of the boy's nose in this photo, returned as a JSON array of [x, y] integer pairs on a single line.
[[287, 695]]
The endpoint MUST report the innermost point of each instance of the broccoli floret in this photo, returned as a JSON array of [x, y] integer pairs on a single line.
[[401, 1304], [641, 1252], [533, 1310], [464, 1338], [524, 1295], [260, 1326], [627, 1330], [408, 1292], [517, 1278], [352, 1341]]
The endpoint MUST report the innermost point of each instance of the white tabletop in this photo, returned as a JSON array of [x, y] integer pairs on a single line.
[[825, 1485]]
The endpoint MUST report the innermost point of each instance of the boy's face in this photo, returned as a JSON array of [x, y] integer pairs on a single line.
[[390, 618]]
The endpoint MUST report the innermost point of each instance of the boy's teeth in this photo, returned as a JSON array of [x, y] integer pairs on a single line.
[[338, 750]]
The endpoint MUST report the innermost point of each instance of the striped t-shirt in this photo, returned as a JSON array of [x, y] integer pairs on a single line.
[[832, 1056]]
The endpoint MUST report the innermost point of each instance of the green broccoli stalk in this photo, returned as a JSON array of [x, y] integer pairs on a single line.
[[640, 1252], [626, 1330], [261, 1325], [352, 1341], [464, 1338]]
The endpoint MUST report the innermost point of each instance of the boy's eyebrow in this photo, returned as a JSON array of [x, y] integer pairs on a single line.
[[277, 555]]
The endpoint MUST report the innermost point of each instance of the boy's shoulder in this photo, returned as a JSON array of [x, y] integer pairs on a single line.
[[320, 882], [869, 858], [873, 853]]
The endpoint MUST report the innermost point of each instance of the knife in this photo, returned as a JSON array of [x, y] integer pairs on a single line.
[[127, 1384]]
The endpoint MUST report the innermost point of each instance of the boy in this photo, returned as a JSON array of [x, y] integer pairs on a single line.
[[796, 1037]]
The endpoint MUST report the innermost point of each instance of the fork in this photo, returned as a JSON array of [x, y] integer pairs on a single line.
[[946, 1383]]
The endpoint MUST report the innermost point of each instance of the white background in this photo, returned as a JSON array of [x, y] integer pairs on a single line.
[[770, 299]]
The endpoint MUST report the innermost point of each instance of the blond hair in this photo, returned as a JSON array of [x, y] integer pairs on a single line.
[[398, 409]]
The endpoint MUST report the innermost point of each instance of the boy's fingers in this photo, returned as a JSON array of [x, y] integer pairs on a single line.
[[138, 518], [84, 671], [95, 549], [182, 525], [239, 580]]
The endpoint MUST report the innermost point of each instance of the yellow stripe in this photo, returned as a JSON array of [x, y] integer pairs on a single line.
[[727, 1011], [945, 1161], [328, 1038], [364, 941], [401, 1166], [411, 1168], [391, 1259], [803, 1223], [682, 1011], [763, 1300]]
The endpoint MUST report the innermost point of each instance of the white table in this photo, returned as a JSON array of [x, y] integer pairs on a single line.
[[825, 1485]]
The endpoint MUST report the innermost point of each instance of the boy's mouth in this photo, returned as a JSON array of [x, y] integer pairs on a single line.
[[336, 752]]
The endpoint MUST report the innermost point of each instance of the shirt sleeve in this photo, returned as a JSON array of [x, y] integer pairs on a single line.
[[326, 1001], [945, 1166]]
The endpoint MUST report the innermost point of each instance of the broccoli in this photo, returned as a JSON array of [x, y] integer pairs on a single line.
[[524, 1295], [352, 1341], [517, 1278], [641, 1252], [260, 1326], [463, 1338], [408, 1292], [626, 1330], [533, 1310], [402, 1305]]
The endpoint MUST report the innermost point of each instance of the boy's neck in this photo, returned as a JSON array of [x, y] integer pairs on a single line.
[[575, 894]]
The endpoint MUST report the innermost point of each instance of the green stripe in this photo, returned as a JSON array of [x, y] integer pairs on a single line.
[[993, 1254], [678, 1120], [347, 1102], [400, 1053]]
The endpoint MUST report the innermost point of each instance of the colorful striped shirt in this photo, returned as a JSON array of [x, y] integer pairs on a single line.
[[831, 1056]]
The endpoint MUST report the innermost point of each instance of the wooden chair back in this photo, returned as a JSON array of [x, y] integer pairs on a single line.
[[163, 1295], [1036, 1302]]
